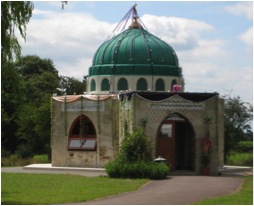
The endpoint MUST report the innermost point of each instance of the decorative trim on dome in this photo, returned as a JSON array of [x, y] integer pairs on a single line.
[[141, 69]]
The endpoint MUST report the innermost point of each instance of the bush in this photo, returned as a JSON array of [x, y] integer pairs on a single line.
[[135, 159], [5, 152], [135, 147], [244, 146], [240, 159], [24, 151], [151, 170], [14, 161]]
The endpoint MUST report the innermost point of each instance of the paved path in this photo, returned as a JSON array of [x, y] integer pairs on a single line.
[[175, 190]]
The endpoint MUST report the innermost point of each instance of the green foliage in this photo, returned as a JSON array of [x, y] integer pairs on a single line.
[[72, 85], [135, 147], [27, 86], [242, 197], [244, 146], [32, 65], [24, 151], [14, 15], [135, 159], [15, 161], [151, 170], [11, 97], [42, 189], [240, 159], [238, 116]]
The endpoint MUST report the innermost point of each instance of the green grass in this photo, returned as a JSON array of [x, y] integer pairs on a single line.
[[240, 159], [242, 197], [30, 189]]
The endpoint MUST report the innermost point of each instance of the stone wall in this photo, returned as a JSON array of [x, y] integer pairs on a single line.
[[193, 112], [104, 119], [112, 118]]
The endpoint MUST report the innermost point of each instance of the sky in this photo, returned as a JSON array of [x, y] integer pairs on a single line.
[[212, 39]]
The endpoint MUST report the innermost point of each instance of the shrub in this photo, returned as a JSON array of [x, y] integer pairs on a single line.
[[135, 147], [5, 152], [244, 146], [24, 151], [14, 161], [240, 159], [135, 159], [151, 170]]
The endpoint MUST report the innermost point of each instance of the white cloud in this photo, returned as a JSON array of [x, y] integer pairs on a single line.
[[182, 34], [66, 38], [71, 40], [242, 9], [247, 37]]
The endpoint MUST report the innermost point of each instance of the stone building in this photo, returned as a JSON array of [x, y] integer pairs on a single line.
[[136, 81]]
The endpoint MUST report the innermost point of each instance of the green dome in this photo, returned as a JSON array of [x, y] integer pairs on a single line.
[[135, 51]]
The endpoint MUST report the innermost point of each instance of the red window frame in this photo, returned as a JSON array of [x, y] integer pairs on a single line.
[[82, 139]]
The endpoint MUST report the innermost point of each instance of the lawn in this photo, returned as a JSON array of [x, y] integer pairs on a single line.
[[30, 189], [243, 197]]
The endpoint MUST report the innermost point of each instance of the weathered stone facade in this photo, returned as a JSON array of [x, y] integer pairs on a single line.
[[103, 115], [113, 115]]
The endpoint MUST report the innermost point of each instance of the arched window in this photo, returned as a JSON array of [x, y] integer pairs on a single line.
[[173, 83], [142, 84], [105, 85], [122, 84], [82, 135], [92, 85], [159, 86]]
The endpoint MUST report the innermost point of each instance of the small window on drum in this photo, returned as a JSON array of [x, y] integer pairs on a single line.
[[105, 85], [159, 85], [122, 84], [93, 85], [142, 84], [82, 135]]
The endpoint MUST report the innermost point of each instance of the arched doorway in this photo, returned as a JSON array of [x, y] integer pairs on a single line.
[[175, 142]]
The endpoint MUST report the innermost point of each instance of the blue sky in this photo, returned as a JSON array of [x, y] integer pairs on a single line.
[[213, 40]]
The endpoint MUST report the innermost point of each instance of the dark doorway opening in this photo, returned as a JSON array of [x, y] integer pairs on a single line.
[[183, 145]]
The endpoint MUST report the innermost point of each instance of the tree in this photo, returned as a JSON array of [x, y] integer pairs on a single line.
[[40, 81], [72, 85], [238, 117], [14, 15], [12, 89]]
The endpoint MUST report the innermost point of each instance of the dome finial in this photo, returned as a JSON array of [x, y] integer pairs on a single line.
[[135, 17]]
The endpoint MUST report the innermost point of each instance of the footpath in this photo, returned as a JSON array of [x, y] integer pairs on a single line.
[[175, 190]]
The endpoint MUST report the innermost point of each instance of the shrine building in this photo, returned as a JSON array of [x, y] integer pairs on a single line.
[[135, 80]]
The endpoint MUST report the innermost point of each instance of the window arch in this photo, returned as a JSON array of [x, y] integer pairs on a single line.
[[160, 86], [142, 84], [105, 85], [173, 83], [92, 85], [82, 135], [122, 84]]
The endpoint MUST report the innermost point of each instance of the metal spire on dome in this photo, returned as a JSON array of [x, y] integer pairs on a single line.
[[132, 15]]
